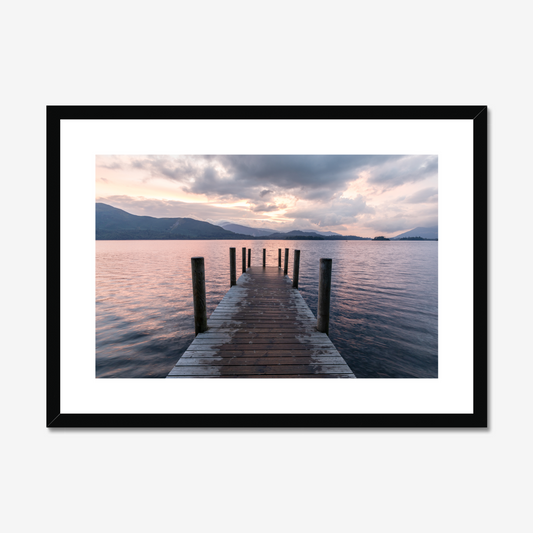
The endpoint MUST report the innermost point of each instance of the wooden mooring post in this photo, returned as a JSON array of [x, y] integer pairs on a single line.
[[198, 294], [232, 268], [279, 257], [324, 293], [249, 257], [296, 269], [286, 263], [264, 257], [244, 260]]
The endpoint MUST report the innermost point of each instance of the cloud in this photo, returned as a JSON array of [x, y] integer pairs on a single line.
[[264, 208], [338, 212], [312, 177], [111, 162], [402, 222], [172, 208], [428, 195], [404, 169], [317, 177]]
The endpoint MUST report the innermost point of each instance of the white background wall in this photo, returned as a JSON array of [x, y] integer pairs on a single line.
[[269, 53]]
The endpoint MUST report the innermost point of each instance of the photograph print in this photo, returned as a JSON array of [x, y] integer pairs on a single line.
[[267, 266]]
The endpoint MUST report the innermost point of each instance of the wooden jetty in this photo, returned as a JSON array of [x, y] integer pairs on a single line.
[[262, 328]]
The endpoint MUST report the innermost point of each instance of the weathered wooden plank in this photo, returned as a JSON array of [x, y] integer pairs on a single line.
[[221, 315], [270, 376], [262, 328], [258, 369], [260, 346], [262, 318], [274, 327], [262, 339], [214, 334], [287, 324], [256, 309], [244, 311], [245, 320], [277, 300], [267, 361], [267, 305], [269, 314], [272, 303], [309, 341], [321, 352], [266, 310], [274, 299]]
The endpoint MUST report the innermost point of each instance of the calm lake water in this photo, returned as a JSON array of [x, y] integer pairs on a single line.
[[384, 301]]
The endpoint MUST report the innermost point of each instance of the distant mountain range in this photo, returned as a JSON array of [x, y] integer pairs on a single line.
[[116, 224], [431, 232], [245, 230], [324, 233], [263, 232]]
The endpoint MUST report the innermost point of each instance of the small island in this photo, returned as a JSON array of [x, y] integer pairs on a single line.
[[415, 239], [380, 238]]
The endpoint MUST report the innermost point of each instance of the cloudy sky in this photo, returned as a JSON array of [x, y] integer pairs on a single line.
[[365, 195]]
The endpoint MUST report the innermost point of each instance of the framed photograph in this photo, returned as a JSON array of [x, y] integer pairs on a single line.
[[208, 261]]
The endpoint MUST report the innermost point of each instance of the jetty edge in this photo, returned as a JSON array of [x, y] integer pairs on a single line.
[[262, 328]]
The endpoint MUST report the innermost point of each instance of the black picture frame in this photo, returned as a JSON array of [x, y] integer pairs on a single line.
[[477, 419]]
